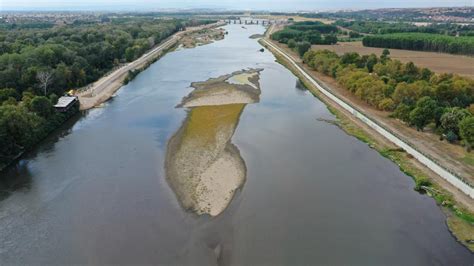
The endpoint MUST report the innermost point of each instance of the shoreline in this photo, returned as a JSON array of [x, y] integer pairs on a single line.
[[20, 155], [104, 88], [202, 165], [410, 166]]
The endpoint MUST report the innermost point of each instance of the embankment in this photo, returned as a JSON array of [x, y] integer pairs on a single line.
[[457, 201], [105, 87]]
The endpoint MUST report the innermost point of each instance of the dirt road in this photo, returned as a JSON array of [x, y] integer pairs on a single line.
[[105, 87]]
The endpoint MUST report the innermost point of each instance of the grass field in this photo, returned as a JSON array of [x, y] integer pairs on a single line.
[[437, 62]]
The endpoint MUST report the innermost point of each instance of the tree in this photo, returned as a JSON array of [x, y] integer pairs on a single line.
[[303, 47], [387, 104], [354, 34], [371, 62], [422, 42], [41, 106], [330, 39], [45, 78], [6, 94], [404, 94], [466, 130], [426, 74], [402, 112], [291, 43], [350, 58], [423, 112], [385, 54], [451, 118]]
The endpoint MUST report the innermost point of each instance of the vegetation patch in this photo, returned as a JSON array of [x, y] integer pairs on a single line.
[[313, 32], [414, 95], [422, 42]]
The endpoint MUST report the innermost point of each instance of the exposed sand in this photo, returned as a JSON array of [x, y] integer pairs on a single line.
[[202, 37], [238, 87], [203, 167]]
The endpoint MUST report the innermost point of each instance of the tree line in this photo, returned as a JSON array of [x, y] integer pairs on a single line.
[[422, 42], [76, 55], [25, 119], [314, 32], [417, 96]]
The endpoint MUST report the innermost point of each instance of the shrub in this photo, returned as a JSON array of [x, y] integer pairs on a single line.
[[387, 104], [291, 43], [466, 130], [422, 182], [303, 47]]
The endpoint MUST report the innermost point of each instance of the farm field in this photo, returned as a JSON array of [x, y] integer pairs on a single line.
[[437, 62]]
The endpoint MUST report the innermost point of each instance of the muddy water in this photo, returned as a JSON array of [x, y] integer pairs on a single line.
[[96, 192]]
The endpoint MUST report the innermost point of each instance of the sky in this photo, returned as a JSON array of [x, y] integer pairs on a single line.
[[271, 5]]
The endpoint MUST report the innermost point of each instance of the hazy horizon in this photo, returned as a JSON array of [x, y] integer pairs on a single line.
[[279, 5]]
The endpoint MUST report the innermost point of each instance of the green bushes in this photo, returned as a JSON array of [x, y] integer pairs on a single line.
[[303, 47], [413, 95], [466, 130], [422, 42]]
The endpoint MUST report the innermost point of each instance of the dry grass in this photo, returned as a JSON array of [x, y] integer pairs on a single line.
[[437, 62]]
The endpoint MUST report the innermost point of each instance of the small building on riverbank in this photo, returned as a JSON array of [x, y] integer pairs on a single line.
[[65, 103]]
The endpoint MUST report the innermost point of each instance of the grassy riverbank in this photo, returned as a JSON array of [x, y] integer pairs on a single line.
[[459, 220]]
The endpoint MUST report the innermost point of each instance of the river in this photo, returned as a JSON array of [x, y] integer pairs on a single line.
[[95, 192]]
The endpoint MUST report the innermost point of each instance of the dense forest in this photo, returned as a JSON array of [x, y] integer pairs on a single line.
[[75, 55], [420, 98], [314, 32], [38, 64], [422, 42]]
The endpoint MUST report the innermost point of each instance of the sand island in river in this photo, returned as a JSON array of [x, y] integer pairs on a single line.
[[203, 167]]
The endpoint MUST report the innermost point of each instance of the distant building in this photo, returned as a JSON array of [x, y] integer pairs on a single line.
[[65, 103]]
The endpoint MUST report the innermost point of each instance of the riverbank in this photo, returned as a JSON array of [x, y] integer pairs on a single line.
[[456, 205], [53, 125], [104, 88]]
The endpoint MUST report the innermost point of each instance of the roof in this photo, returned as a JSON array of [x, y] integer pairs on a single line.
[[65, 101]]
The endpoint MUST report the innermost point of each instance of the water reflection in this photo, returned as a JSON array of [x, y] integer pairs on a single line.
[[15, 178], [18, 176]]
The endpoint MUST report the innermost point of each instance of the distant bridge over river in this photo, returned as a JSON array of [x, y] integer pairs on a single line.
[[251, 21]]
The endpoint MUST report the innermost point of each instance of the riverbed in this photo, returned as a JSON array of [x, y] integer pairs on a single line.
[[95, 192]]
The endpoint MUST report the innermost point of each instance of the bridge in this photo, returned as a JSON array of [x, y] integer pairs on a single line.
[[250, 21]]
